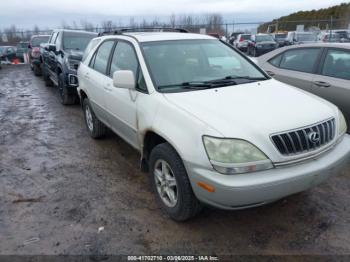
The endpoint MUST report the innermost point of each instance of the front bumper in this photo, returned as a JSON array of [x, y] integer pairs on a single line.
[[254, 189]]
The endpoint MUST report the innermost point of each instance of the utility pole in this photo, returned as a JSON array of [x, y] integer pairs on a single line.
[[330, 36]]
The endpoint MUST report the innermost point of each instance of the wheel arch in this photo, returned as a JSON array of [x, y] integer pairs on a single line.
[[151, 139]]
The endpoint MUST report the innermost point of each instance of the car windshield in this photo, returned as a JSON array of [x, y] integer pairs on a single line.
[[306, 37], [280, 36], [181, 64], [245, 37], [77, 41], [22, 45], [36, 41], [263, 38]]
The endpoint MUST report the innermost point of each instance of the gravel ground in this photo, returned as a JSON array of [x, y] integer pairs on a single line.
[[62, 192]]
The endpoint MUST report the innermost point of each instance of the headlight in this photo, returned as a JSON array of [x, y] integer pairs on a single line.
[[72, 64], [259, 46], [342, 123], [234, 156]]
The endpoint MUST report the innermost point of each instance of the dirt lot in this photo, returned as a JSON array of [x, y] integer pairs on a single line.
[[58, 187]]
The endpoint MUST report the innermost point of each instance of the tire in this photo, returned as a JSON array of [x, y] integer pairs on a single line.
[[46, 77], [94, 126], [37, 71], [186, 204], [65, 97]]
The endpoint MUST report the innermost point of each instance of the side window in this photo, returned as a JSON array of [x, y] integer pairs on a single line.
[[101, 57], [301, 59], [124, 58], [53, 38], [276, 60], [337, 64], [93, 43], [141, 84]]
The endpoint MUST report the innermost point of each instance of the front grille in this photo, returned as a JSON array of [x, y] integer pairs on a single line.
[[305, 139]]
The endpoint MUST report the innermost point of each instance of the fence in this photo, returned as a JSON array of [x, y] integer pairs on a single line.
[[225, 29]]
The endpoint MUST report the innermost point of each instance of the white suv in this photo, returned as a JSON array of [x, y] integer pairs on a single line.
[[211, 126]]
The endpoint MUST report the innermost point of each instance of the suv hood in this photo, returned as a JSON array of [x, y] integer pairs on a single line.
[[75, 54], [253, 110]]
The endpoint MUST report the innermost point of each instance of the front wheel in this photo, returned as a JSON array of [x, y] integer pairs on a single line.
[[65, 97], [171, 185]]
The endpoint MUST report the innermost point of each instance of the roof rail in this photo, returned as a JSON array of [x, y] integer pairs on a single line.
[[143, 29]]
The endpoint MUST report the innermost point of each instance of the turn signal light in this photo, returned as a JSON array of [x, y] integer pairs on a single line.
[[206, 187]]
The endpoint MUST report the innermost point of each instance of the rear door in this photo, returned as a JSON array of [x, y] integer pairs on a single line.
[[295, 67], [333, 79], [94, 77]]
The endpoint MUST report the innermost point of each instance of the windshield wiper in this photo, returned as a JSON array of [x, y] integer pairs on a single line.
[[233, 78], [190, 85]]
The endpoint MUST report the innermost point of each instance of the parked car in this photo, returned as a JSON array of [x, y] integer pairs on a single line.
[[294, 38], [7, 54], [61, 58], [280, 39], [329, 37], [322, 69], [211, 126], [34, 52], [344, 34], [260, 44], [21, 50], [242, 41], [233, 37]]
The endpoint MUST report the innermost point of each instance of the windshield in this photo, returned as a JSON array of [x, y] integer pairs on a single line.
[[245, 37], [174, 63], [77, 41], [22, 45], [306, 37], [280, 36], [36, 41], [263, 38]]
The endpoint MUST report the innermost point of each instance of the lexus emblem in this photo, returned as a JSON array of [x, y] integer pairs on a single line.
[[314, 137]]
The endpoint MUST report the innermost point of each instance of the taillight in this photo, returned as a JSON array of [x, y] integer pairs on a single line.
[[35, 52], [241, 40]]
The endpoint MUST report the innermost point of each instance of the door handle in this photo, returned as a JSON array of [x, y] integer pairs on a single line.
[[86, 75], [322, 84], [270, 73]]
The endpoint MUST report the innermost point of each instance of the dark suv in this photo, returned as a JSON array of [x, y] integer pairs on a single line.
[[61, 58], [35, 59]]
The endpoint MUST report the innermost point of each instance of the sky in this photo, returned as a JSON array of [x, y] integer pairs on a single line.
[[50, 13]]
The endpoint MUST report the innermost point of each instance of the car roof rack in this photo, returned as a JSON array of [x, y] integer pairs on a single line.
[[143, 29]]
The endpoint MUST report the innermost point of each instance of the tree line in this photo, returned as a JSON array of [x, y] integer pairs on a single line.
[[337, 16], [212, 22]]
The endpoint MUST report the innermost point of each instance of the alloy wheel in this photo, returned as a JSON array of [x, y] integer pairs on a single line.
[[165, 183]]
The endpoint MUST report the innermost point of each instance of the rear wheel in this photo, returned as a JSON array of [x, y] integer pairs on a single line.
[[171, 185], [36, 70], [95, 127], [66, 98]]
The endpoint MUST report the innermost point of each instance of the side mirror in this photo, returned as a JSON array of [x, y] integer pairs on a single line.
[[51, 48], [124, 79]]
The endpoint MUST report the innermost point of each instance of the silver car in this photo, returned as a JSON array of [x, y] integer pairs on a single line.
[[320, 68]]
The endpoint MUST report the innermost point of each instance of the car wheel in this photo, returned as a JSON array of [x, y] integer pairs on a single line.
[[65, 97], [95, 127], [37, 71], [171, 185]]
